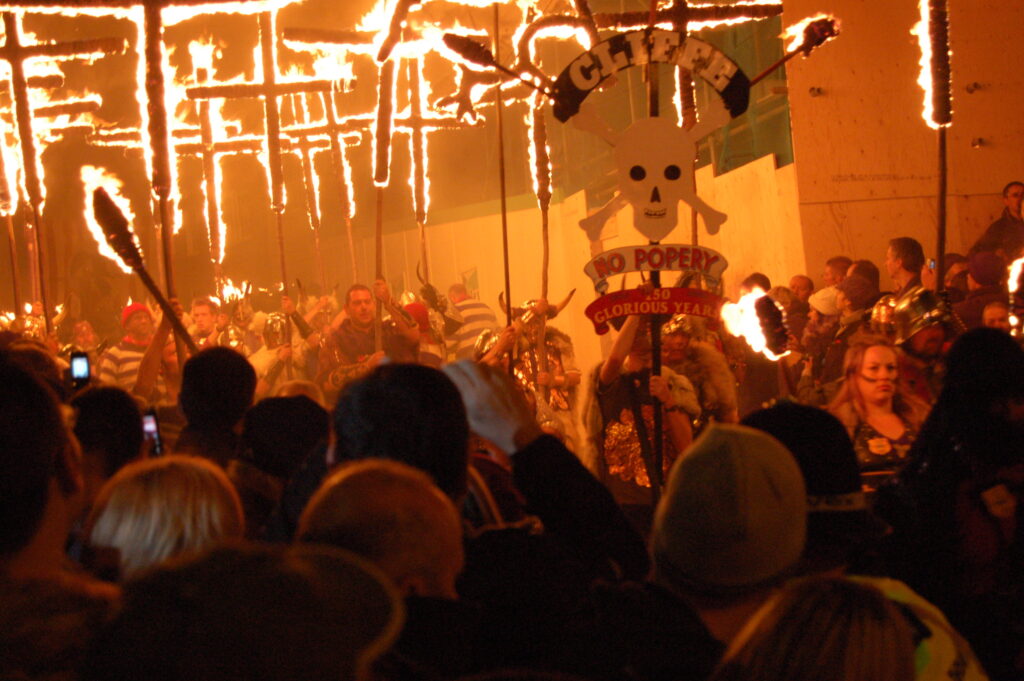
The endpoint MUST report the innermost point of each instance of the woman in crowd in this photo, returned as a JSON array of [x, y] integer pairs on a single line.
[[881, 419], [822, 629], [156, 509]]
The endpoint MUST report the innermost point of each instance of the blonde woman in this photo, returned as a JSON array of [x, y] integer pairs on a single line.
[[156, 509], [880, 417], [823, 629]]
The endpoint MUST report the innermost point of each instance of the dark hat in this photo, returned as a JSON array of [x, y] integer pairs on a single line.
[[858, 290], [986, 268], [838, 518]]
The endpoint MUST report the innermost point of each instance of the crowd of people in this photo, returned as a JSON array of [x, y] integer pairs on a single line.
[[392, 489]]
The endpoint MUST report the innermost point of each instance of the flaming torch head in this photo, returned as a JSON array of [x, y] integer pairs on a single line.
[[817, 33], [773, 324], [469, 49], [760, 321], [115, 228]]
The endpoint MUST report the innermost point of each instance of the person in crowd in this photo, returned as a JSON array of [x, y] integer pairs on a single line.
[[619, 419], [845, 536], [704, 365], [802, 287], [278, 433], [1005, 236], [880, 417], [39, 360], [119, 365], [854, 296], [996, 315], [903, 262], [289, 614], [922, 326], [430, 349], [351, 351], [477, 317], [731, 525], [277, 358], [217, 388], [50, 608], [825, 627], [986, 273], [157, 509], [204, 321], [296, 387], [958, 506], [823, 319], [755, 280], [835, 271], [394, 516], [108, 426]]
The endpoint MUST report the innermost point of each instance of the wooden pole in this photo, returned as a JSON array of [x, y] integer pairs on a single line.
[[381, 175], [498, 105], [340, 169]]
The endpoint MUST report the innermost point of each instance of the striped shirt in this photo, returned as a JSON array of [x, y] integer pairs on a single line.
[[119, 365], [476, 318]]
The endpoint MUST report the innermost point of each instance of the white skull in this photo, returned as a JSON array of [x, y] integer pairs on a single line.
[[654, 158]]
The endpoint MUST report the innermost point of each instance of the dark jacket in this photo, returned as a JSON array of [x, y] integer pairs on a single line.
[[970, 309]]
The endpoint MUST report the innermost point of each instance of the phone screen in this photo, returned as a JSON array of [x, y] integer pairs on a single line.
[[151, 431], [80, 367]]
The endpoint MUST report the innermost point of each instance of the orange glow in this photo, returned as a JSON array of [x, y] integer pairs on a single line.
[[924, 77], [741, 320]]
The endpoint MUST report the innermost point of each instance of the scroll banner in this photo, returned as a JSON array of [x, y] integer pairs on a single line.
[[667, 301], [603, 60], [672, 257]]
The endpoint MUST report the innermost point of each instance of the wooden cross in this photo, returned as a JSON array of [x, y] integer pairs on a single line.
[[15, 53]]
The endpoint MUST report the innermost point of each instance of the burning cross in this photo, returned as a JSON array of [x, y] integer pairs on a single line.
[[16, 54]]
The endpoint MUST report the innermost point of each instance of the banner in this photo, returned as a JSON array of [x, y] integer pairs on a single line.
[[672, 257], [635, 48], [666, 301]]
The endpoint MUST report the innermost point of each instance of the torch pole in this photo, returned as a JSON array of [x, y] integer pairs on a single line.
[[655, 474], [498, 104], [33, 183], [381, 173], [419, 169], [13, 249], [338, 161], [942, 116], [940, 265]]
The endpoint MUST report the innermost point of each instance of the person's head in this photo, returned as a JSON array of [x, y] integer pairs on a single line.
[[996, 315], [823, 628], [802, 287], [155, 509], [408, 413], [732, 521], [756, 280], [394, 516], [676, 335], [108, 425], [839, 523], [38, 456], [868, 270], [1012, 196], [83, 335], [217, 386], [359, 305], [297, 386], [904, 257], [985, 372], [252, 612], [37, 359], [457, 293], [854, 293], [419, 313], [954, 264], [985, 269], [275, 330], [920, 320], [204, 315], [279, 432], [835, 269], [822, 303], [137, 321]]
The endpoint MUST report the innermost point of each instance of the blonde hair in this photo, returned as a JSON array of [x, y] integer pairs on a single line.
[[849, 406], [155, 509], [823, 629]]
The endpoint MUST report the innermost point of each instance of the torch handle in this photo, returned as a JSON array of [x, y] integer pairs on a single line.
[[179, 329]]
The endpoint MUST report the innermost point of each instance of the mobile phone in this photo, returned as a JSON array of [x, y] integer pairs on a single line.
[[151, 432], [80, 371], [931, 264]]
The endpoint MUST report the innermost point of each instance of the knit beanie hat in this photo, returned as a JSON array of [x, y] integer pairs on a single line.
[[129, 310], [733, 517], [858, 290], [824, 301]]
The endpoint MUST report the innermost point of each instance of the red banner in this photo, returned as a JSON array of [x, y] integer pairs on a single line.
[[666, 301]]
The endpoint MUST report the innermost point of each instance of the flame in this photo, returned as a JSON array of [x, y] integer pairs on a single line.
[[28, 308], [924, 78], [795, 33], [741, 320], [229, 292], [1016, 267], [92, 178]]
